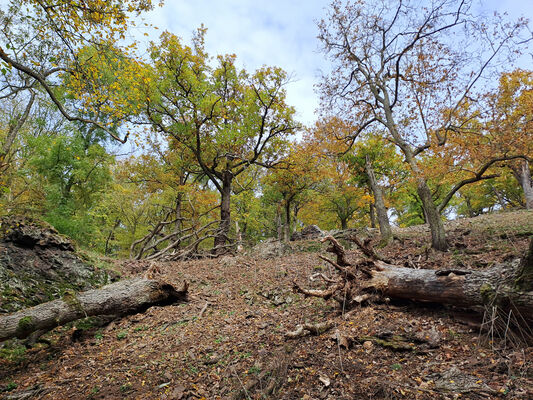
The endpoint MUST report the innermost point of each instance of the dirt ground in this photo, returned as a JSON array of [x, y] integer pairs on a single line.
[[228, 341]]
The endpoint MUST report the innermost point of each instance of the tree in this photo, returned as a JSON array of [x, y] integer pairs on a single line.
[[44, 42], [289, 186], [399, 65], [510, 125], [372, 161], [226, 118]]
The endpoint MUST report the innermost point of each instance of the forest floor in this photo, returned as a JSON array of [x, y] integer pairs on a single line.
[[228, 341]]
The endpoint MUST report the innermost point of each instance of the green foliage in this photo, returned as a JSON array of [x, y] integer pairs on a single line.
[[13, 351], [71, 173], [122, 335]]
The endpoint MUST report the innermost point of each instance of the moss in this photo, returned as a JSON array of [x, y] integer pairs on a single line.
[[72, 300], [25, 326], [13, 351], [487, 292]]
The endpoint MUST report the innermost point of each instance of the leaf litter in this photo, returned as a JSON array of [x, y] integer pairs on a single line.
[[230, 340]]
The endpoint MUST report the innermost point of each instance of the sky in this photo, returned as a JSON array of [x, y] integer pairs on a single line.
[[276, 33], [273, 32]]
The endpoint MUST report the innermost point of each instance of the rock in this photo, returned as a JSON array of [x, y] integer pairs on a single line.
[[368, 345], [454, 380], [29, 233], [271, 249], [37, 264], [432, 337], [309, 232]]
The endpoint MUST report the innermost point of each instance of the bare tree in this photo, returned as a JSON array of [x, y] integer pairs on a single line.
[[410, 69]]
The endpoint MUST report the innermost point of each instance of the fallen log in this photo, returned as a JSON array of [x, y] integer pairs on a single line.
[[507, 287], [495, 286], [120, 298]]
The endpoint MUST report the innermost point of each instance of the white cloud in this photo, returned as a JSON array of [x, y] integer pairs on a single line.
[[278, 33]]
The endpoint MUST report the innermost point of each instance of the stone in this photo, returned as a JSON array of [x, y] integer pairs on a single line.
[[307, 233]]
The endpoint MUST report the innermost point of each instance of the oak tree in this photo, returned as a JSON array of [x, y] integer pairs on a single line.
[[226, 118]]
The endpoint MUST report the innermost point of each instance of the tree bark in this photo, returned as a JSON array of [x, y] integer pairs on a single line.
[[225, 212], [438, 236], [120, 298], [279, 223], [509, 287], [495, 286], [15, 126], [344, 223], [287, 223], [523, 176], [372, 216], [381, 210]]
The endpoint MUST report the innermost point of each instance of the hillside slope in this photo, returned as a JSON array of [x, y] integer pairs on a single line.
[[229, 341]]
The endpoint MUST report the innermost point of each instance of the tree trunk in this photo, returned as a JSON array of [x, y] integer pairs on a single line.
[[15, 125], [372, 216], [110, 236], [496, 286], [287, 224], [279, 223], [469, 208], [120, 298], [225, 212], [179, 205], [523, 175], [381, 210], [344, 223], [509, 287], [438, 236], [499, 196]]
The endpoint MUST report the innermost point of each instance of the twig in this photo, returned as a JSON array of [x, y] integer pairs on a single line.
[[242, 385], [203, 310]]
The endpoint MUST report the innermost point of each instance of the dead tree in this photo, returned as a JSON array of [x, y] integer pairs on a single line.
[[178, 243], [506, 286], [120, 298]]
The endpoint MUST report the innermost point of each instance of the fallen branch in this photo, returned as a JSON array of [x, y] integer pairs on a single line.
[[120, 298], [324, 294], [315, 329], [203, 310], [368, 250], [345, 271], [506, 286], [324, 277], [336, 248]]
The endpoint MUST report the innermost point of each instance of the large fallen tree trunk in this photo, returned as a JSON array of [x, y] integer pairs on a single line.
[[506, 286], [492, 287], [120, 298]]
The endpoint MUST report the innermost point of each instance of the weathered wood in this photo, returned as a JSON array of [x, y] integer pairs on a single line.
[[506, 286], [120, 298], [495, 286], [336, 248]]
